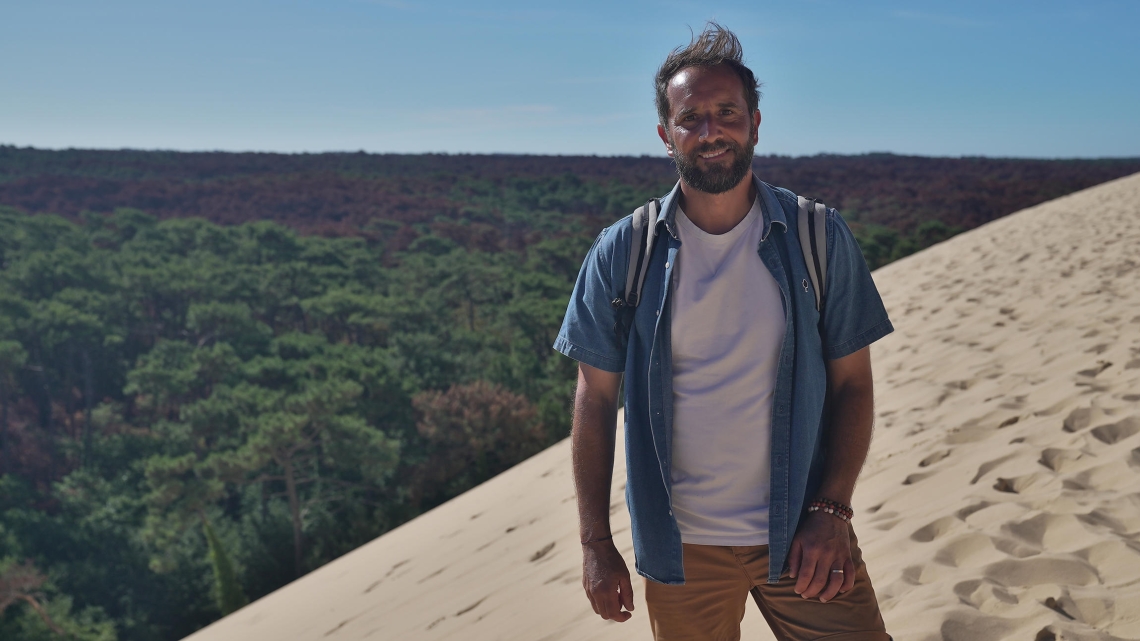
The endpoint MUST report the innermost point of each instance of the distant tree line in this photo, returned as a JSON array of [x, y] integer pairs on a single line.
[[496, 200]]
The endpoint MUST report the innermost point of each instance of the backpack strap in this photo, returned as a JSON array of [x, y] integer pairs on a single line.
[[812, 225], [641, 248]]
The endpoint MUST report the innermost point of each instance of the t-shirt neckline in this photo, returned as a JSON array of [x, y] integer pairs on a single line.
[[751, 218]]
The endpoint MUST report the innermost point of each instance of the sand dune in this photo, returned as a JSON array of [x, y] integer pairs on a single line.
[[1002, 495], [1001, 499]]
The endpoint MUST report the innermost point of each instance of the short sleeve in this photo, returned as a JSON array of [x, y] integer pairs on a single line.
[[588, 333], [853, 312]]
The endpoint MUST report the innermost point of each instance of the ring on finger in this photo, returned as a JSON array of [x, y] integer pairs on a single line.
[[837, 571]]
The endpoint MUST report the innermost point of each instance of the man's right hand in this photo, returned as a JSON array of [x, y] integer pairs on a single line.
[[606, 581]]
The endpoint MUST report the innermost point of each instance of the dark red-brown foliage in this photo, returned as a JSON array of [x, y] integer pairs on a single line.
[[901, 191], [472, 432], [384, 194], [28, 452]]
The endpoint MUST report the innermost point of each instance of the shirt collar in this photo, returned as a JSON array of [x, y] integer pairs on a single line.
[[769, 206]]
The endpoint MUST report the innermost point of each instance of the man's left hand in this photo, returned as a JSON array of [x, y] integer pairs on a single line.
[[822, 543]]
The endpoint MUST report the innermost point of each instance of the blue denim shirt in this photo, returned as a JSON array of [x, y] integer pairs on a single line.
[[853, 317]]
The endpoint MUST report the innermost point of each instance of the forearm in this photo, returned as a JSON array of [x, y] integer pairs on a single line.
[[851, 420], [592, 451], [849, 438]]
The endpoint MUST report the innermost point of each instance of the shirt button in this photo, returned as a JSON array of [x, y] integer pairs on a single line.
[[670, 512], [658, 312], [667, 265]]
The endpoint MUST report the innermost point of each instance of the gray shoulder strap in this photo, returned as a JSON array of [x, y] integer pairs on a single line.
[[641, 248], [812, 226]]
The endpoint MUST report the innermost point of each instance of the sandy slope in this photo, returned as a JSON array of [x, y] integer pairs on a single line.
[[1002, 495], [1001, 499]]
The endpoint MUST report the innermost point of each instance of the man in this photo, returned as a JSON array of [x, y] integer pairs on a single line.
[[748, 411]]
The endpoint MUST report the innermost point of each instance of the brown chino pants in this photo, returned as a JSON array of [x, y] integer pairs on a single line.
[[710, 605]]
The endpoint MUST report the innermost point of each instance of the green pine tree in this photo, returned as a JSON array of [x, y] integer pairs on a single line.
[[228, 591]]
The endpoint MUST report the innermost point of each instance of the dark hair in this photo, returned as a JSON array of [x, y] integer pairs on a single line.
[[715, 46]]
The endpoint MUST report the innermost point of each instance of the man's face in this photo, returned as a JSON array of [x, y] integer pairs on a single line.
[[710, 134]]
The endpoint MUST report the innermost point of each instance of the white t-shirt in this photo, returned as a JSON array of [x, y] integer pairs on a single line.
[[727, 330]]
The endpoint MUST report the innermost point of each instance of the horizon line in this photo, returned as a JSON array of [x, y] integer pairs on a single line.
[[539, 155]]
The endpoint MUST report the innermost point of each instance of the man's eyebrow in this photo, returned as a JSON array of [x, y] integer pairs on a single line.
[[727, 103]]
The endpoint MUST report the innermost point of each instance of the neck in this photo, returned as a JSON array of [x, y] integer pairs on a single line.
[[718, 213]]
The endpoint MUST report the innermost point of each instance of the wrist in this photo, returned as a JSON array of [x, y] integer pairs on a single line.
[[841, 511], [835, 491], [600, 539]]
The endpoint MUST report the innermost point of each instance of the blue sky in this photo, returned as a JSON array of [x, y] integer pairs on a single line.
[[996, 78]]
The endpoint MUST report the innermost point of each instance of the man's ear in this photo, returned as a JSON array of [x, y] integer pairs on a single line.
[[756, 127], [665, 139]]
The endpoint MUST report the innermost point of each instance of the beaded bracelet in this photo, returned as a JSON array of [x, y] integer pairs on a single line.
[[825, 502], [599, 540], [834, 508]]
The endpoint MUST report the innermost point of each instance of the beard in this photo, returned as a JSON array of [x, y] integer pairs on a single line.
[[717, 179]]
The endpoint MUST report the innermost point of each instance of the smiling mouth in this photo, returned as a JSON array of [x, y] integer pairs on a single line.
[[713, 155]]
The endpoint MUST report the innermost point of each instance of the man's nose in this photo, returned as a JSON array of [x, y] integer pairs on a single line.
[[709, 129]]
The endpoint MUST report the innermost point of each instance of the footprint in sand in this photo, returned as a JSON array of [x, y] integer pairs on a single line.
[[984, 515], [1060, 459], [470, 607], [1102, 477], [432, 575], [972, 549], [1116, 432], [1083, 417], [1077, 420], [1014, 548], [391, 570], [934, 458], [542, 553], [1059, 606], [985, 596], [1018, 484], [1052, 409], [989, 466], [1040, 571], [971, 431], [935, 529], [968, 626], [1115, 561], [916, 477], [924, 573], [885, 520], [965, 512], [1051, 531], [1121, 516]]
